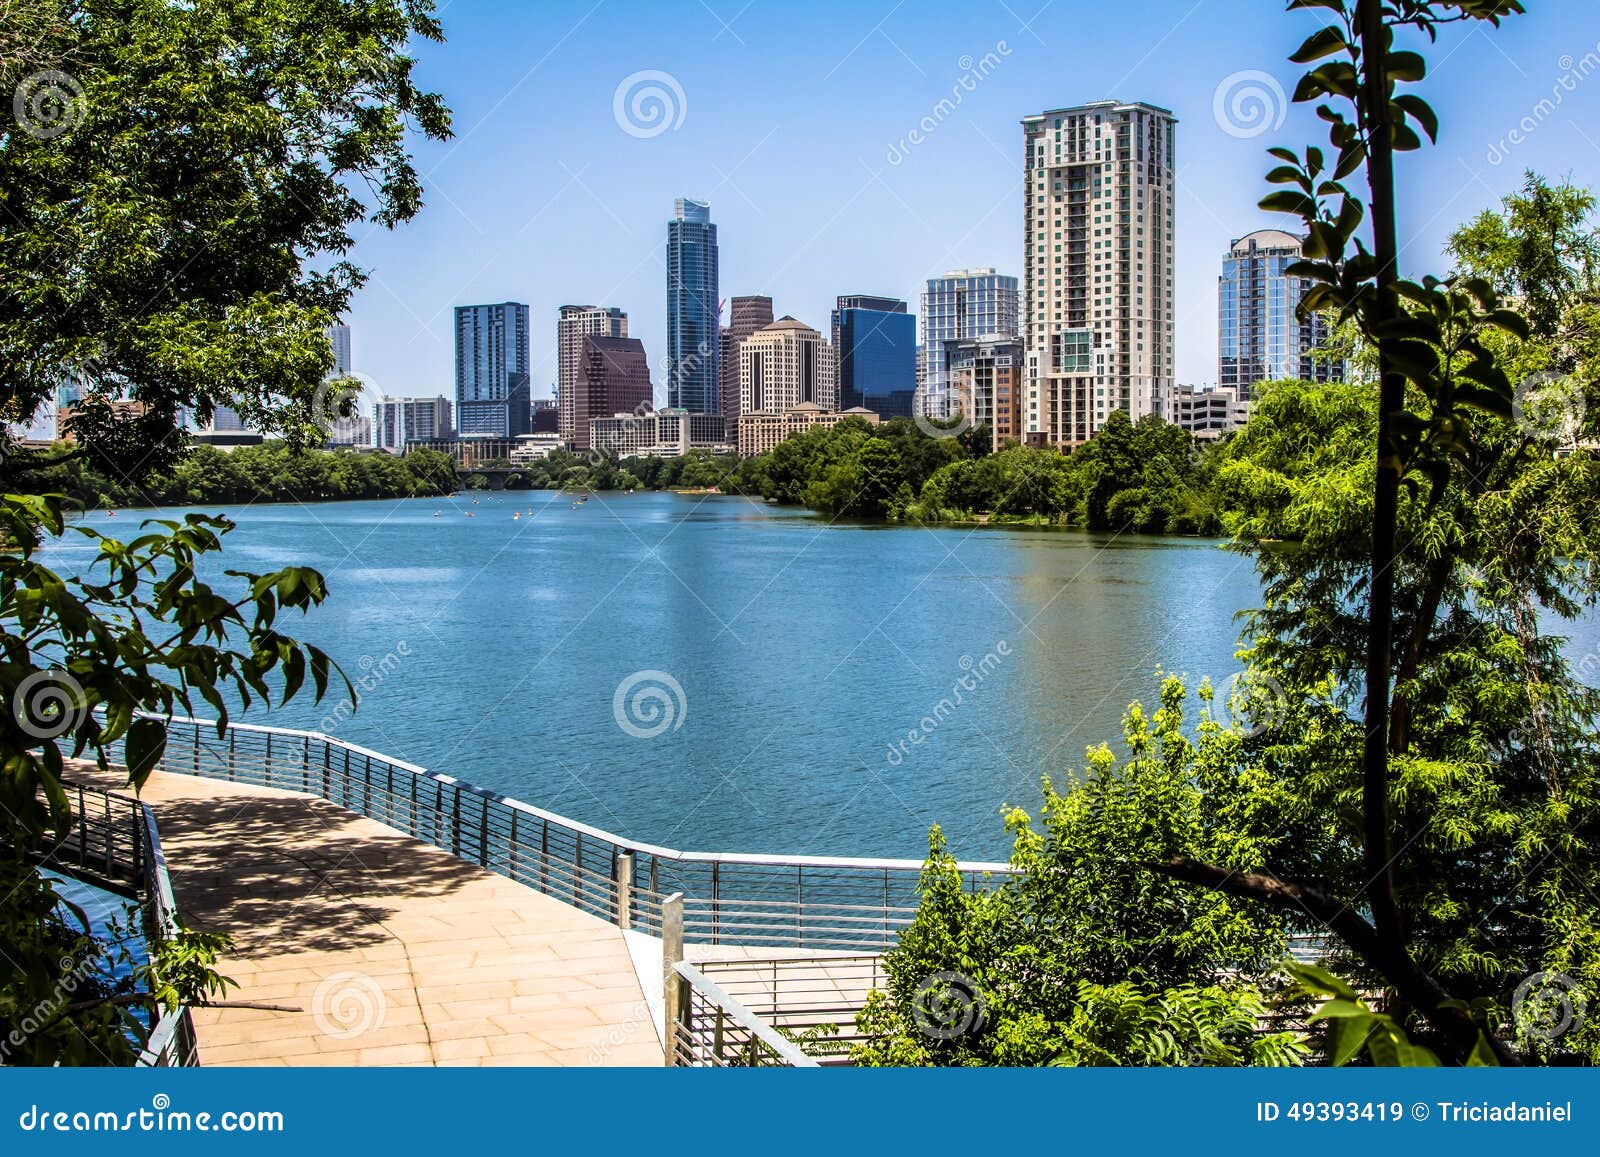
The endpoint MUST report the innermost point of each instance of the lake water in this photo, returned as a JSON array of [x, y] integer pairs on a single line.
[[493, 648]]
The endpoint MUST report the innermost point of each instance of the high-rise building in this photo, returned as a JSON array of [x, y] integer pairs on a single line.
[[875, 340], [493, 384], [1259, 337], [576, 323], [986, 377], [397, 421], [613, 378], [694, 349], [784, 365], [745, 316], [963, 305], [339, 339], [1097, 289]]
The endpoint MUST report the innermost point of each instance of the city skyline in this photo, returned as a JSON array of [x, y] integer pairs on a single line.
[[587, 227]]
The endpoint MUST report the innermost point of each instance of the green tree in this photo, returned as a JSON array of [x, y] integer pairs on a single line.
[[1076, 960], [153, 238]]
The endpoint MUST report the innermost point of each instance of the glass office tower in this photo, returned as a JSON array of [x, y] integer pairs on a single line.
[[876, 342], [694, 347]]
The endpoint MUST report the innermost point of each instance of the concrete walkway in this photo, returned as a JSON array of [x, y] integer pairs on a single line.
[[382, 950]]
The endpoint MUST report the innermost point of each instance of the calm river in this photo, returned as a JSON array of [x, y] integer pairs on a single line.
[[493, 647]]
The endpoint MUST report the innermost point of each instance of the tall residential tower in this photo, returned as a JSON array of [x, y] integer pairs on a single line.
[[577, 322], [694, 349], [1097, 288]]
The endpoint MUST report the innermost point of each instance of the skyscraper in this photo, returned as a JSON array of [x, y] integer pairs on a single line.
[[875, 340], [784, 365], [577, 322], [339, 339], [693, 310], [963, 305], [745, 316], [1098, 242], [613, 378], [1259, 337], [493, 385]]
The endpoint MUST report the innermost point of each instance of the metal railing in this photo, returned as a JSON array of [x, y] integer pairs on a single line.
[[113, 842], [714, 1029], [810, 1001], [807, 902]]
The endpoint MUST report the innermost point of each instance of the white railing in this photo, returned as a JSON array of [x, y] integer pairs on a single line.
[[809, 902]]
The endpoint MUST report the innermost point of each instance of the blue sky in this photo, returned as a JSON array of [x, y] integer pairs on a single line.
[[793, 121]]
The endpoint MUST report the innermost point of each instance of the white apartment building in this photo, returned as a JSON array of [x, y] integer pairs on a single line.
[[787, 364], [1097, 300]]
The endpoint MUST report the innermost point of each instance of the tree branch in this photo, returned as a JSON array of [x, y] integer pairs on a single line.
[[1393, 963]]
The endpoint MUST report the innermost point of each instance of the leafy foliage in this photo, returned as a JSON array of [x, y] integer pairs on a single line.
[[155, 248], [1084, 956], [271, 472]]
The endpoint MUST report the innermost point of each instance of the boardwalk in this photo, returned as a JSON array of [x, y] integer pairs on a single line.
[[380, 950]]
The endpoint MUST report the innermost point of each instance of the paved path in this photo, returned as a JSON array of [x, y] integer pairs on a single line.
[[383, 950]]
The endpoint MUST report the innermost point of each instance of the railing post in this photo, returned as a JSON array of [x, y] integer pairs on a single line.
[[624, 890], [673, 1004], [716, 896]]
